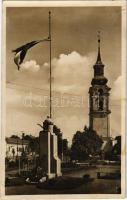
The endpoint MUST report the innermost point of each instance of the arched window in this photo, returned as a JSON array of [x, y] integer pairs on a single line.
[[100, 105], [100, 91]]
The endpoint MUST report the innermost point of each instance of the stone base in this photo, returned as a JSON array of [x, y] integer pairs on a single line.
[[50, 176], [106, 138], [59, 174], [53, 175]]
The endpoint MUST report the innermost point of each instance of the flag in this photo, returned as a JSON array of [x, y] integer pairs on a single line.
[[20, 52]]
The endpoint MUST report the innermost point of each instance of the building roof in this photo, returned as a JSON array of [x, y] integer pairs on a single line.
[[17, 141], [107, 146]]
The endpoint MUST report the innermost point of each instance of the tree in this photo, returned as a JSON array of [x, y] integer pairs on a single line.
[[85, 143], [65, 146], [117, 147], [33, 142], [58, 133], [15, 136], [115, 153]]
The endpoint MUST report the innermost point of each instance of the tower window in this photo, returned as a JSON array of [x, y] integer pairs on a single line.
[[100, 92], [100, 105]]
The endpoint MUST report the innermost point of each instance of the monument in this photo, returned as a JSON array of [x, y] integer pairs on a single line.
[[48, 156], [48, 140]]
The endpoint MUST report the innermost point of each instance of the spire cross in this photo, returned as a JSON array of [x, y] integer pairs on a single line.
[[99, 55], [98, 35]]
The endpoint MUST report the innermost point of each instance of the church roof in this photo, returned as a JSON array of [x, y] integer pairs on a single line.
[[101, 80], [10, 140]]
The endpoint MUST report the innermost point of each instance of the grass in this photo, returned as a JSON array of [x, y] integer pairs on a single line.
[[15, 181], [62, 183]]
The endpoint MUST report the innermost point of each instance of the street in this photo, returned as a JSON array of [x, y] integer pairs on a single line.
[[97, 186]]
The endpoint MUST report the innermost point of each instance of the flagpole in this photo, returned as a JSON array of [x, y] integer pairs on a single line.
[[50, 98]]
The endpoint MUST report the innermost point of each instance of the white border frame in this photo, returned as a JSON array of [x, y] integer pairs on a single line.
[[109, 3]]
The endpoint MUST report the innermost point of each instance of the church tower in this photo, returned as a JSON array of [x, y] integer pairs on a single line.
[[99, 99]]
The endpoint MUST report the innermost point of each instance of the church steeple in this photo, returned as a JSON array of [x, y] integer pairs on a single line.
[[99, 99], [99, 53], [99, 78]]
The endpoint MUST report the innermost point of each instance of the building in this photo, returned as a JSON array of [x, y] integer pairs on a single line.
[[15, 147], [99, 99]]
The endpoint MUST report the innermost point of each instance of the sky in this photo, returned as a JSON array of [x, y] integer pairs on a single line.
[[74, 52]]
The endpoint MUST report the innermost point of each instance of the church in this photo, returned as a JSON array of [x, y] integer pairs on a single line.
[[99, 113]]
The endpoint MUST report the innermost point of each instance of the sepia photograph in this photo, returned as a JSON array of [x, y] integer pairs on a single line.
[[64, 99]]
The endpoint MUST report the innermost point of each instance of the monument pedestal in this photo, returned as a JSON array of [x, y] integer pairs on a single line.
[[49, 160]]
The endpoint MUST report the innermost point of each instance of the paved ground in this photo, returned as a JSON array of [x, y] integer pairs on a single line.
[[98, 186]]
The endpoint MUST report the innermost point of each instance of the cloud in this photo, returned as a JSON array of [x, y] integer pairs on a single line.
[[115, 106], [72, 72], [117, 88], [30, 66], [71, 75]]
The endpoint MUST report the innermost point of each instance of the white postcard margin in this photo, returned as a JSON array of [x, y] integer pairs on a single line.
[[6, 4]]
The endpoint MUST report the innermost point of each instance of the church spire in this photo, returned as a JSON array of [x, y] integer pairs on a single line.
[[99, 78], [99, 54]]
